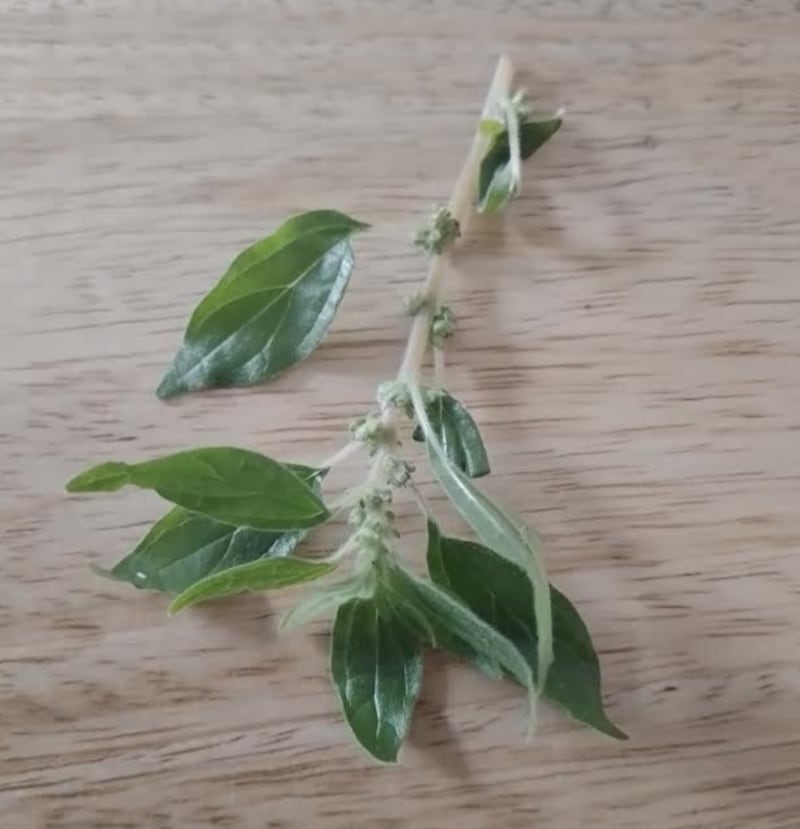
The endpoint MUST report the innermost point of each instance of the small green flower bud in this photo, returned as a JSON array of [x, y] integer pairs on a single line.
[[443, 326], [356, 516], [440, 232], [378, 498], [399, 472], [396, 395], [372, 432]]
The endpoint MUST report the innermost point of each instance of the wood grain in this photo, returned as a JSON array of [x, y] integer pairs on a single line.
[[629, 342]]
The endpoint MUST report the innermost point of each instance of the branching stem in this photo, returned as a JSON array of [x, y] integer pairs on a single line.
[[460, 207]]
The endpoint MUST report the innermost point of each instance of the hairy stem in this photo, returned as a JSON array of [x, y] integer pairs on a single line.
[[513, 143], [460, 206], [342, 454], [438, 367]]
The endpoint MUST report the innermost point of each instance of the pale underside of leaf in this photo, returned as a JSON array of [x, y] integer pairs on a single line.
[[326, 600], [443, 621], [262, 574], [497, 591], [497, 183], [503, 186], [508, 538]]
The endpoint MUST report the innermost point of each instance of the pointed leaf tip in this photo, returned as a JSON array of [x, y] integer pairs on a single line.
[[105, 477], [234, 486], [497, 591], [376, 666], [167, 388]]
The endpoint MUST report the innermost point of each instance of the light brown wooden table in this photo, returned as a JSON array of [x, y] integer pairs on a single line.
[[629, 343]]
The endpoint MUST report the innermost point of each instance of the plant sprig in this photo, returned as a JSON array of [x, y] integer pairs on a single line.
[[239, 518]]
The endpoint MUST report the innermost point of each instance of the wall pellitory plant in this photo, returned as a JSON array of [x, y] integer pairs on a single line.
[[238, 519]]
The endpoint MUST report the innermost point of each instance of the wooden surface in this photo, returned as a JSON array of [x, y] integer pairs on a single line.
[[629, 342]]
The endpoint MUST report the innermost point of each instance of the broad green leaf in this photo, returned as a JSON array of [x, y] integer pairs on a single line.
[[496, 183], [184, 547], [498, 592], [376, 665], [457, 432], [234, 486], [508, 538], [263, 574], [443, 621], [270, 309]]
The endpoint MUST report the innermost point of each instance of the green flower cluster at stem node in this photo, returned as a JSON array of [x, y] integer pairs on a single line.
[[394, 394], [441, 230], [374, 432], [443, 326], [374, 525]]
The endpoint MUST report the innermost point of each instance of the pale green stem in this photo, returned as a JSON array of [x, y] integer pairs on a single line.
[[461, 208], [337, 457], [419, 498], [438, 367], [515, 155], [342, 552]]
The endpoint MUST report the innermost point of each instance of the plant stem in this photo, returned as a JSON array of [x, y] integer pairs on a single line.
[[342, 454], [438, 367], [515, 159], [460, 206]]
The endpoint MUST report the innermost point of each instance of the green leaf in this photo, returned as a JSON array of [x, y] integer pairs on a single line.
[[457, 432], [234, 486], [376, 665], [270, 309], [263, 574], [498, 592], [495, 182], [184, 547], [507, 537], [534, 134], [443, 621], [502, 187], [105, 477]]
